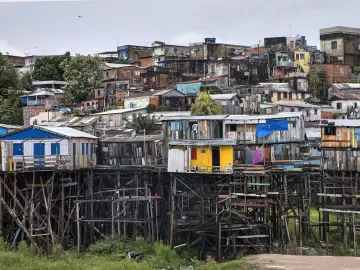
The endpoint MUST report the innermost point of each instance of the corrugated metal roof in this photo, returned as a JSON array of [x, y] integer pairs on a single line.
[[126, 139], [163, 92], [313, 134], [345, 96], [298, 104], [204, 117], [66, 131], [245, 118], [344, 86], [11, 126], [71, 121], [340, 122], [168, 114], [119, 111], [267, 105], [222, 96], [112, 65], [218, 142]]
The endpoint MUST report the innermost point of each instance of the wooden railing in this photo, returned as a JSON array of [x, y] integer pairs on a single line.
[[18, 163], [210, 169]]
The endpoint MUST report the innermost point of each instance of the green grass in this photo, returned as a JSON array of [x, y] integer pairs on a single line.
[[107, 255]]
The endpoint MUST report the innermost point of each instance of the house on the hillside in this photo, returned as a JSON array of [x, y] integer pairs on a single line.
[[171, 99], [116, 118], [44, 147], [129, 150], [346, 105], [231, 103], [282, 92]]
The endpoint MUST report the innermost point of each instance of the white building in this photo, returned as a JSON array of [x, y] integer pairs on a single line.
[[44, 147], [116, 118]]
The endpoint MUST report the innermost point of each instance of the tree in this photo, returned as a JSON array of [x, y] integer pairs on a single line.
[[48, 68], [317, 80], [83, 74], [27, 81], [9, 78], [11, 112], [139, 123], [205, 105]]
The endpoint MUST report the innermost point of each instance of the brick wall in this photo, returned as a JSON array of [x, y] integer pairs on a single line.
[[146, 62], [30, 112], [335, 73], [327, 115], [118, 97], [163, 81], [255, 51], [155, 101]]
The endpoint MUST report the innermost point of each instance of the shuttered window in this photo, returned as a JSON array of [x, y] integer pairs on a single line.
[[193, 154], [55, 149]]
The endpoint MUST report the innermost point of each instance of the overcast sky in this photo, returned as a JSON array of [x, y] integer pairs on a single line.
[[54, 26]]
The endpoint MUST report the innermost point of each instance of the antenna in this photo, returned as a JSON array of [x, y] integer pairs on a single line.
[[290, 29]]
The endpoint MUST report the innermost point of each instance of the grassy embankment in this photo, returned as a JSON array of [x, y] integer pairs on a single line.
[[108, 255]]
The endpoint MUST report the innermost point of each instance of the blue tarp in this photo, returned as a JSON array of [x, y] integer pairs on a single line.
[[263, 130]]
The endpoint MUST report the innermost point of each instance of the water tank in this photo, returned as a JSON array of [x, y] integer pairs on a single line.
[[210, 40]]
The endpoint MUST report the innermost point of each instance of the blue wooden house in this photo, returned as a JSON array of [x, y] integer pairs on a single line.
[[45, 147]]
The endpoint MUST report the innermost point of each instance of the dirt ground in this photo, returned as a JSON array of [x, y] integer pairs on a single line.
[[280, 262]]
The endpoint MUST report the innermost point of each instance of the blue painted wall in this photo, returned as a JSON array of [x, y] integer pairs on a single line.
[[3, 130], [189, 89], [30, 134]]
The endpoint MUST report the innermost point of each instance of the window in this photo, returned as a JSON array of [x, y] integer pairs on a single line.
[[193, 154], [87, 148], [290, 96], [355, 105], [237, 103], [83, 148], [99, 91], [74, 148], [315, 111], [297, 56], [158, 59], [339, 105], [334, 45], [302, 95], [285, 95], [330, 131], [302, 56], [233, 127], [232, 102], [55, 149], [18, 149], [107, 74], [279, 96]]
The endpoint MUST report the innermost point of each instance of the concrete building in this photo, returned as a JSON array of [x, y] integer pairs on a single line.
[[341, 45], [133, 53]]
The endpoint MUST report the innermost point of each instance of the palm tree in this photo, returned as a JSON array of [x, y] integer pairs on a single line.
[[205, 105], [140, 123], [27, 80]]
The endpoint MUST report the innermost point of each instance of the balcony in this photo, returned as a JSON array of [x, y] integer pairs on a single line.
[[288, 64], [47, 103], [40, 102]]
